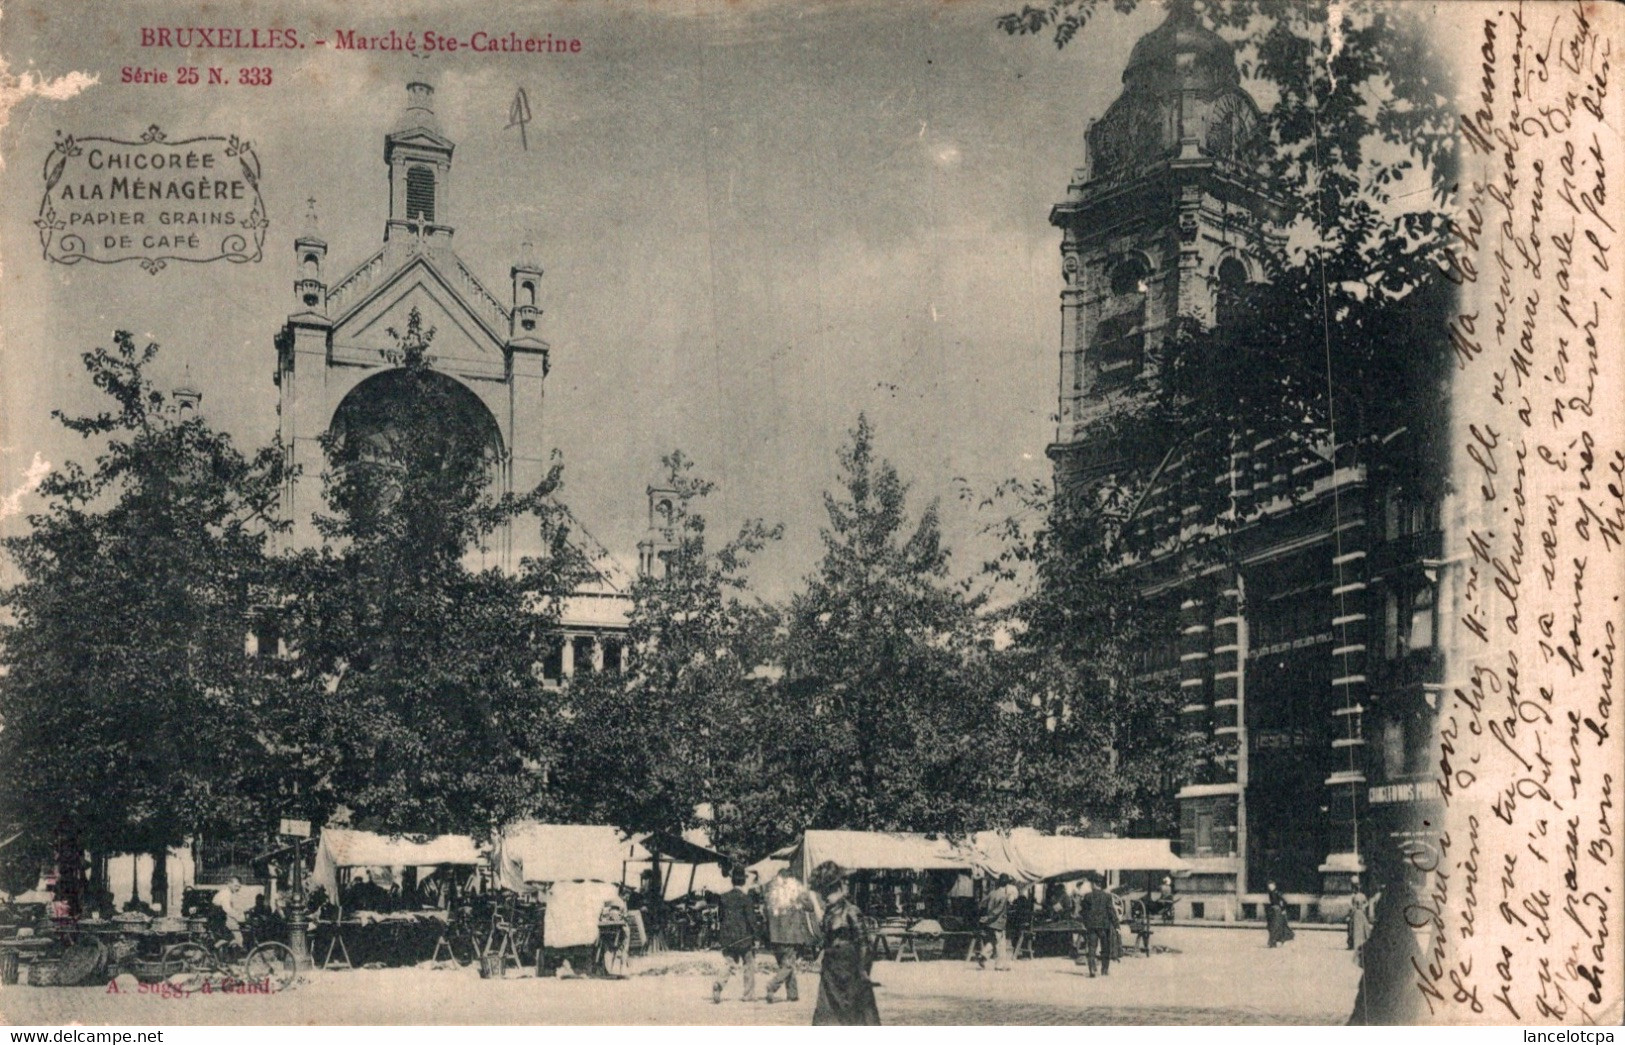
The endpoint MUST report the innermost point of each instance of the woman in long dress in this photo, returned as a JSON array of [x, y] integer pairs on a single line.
[[1362, 911], [845, 994], [1275, 916]]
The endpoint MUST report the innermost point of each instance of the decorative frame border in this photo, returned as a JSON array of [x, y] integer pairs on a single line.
[[244, 244]]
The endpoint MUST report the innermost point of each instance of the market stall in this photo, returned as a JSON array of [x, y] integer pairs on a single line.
[[390, 896], [1044, 864], [570, 883], [915, 888]]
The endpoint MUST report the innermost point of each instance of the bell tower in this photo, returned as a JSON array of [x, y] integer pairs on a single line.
[[1165, 212], [660, 539], [418, 155], [1160, 230], [310, 286]]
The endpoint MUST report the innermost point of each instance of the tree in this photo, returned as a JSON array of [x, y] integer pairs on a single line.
[[420, 702], [132, 718], [883, 649], [1091, 734], [682, 726]]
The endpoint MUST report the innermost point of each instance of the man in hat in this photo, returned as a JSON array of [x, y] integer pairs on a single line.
[[996, 921], [737, 926], [792, 924], [1098, 914]]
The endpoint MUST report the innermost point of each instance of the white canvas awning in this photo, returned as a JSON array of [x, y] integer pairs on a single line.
[[529, 853], [1030, 856], [877, 851], [342, 847]]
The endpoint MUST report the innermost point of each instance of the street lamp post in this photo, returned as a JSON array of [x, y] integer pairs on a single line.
[[296, 912], [298, 942]]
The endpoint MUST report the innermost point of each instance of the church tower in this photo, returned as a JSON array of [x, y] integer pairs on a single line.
[[660, 539], [1165, 215], [338, 362], [1160, 232], [418, 155]]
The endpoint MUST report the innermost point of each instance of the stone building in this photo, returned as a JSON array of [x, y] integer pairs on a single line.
[[1318, 591], [338, 364]]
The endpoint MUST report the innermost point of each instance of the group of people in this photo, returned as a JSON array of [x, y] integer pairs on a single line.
[[798, 919], [1362, 914], [1007, 912]]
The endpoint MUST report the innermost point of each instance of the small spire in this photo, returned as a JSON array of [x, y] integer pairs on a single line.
[[419, 109], [186, 396], [311, 225]]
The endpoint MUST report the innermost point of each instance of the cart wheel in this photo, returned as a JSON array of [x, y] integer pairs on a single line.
[[271, 963], [83, 962], [465, 948], [196, 963]]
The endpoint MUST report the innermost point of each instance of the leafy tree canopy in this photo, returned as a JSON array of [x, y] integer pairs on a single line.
[[132, 718], [683, 727], [419, 704]]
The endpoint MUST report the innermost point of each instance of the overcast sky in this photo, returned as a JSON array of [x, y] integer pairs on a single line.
[[756, 220]]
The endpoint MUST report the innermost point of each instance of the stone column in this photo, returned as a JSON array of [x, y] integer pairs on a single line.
[[1345, 786]]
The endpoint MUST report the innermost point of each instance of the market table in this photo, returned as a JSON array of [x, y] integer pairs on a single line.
[[399, 937], [1067, 926], [908, 949]]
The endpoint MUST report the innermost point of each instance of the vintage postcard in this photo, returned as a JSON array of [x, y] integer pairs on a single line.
[[782, 512]]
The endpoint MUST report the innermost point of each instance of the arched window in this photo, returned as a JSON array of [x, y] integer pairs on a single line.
[[527, 293], [420, 194], [1129, 275], [312, 266], [1232, 291], [1120, 337]]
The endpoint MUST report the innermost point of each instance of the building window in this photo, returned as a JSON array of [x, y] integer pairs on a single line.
[[1390, 626], [1129, 275], [553, 660], [1120, 346], [1419, 742], [1393, 749], [583, 655], [1208, 827], [1420, 635], [1119, 339], [1232, 288], [1407, 516], [1409, 619], [420, 194]]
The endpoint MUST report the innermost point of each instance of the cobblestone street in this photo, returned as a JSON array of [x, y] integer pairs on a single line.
[[1211, 976]]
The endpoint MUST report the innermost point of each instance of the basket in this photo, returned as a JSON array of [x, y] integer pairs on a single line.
[[170, 924], [44, 973], [154, 970]]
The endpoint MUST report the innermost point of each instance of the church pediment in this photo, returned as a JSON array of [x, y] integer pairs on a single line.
[[422, 137], [462, 332]]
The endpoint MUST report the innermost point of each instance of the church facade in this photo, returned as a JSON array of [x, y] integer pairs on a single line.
[[1319, 607], [338, 363]]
